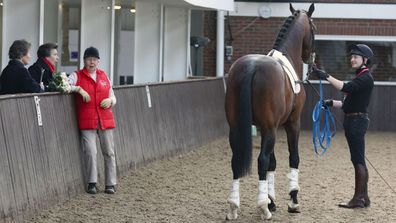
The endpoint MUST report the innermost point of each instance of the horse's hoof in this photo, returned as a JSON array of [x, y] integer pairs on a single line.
[[233, 212], [271, 206], [293, 208], [265, 213], [230, 217]]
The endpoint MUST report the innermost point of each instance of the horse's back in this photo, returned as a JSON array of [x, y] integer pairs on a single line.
[[265, 71], [270, 90], [252, 62]]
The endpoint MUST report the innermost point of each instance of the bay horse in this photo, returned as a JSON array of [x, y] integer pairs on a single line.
[[260, 92]]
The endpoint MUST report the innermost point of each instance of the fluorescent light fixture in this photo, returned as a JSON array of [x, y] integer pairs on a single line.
[[133, 10], [116, 7]]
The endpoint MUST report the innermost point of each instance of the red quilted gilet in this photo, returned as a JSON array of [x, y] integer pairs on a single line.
[[91, 114]]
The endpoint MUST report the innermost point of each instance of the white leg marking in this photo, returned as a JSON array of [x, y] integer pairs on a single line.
[[233, 200], [263, 200]]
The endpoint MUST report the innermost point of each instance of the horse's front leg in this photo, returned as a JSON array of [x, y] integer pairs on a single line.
[[293, 133], [267, 148]]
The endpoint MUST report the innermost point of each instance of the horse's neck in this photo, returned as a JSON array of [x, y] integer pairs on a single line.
[[293, 49]]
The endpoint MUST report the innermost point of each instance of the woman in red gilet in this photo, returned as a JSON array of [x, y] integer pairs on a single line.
[[94, 102]]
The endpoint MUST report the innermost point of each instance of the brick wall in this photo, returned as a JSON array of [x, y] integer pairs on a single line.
[[329, 1], [257, 35]]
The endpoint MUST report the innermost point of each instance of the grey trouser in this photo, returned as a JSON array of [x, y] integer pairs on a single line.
[[90, 151]]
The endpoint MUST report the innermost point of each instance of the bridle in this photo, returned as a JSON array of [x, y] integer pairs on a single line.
[[311, 60]]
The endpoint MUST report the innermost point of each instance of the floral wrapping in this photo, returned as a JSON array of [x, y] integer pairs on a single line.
[[59, 83]]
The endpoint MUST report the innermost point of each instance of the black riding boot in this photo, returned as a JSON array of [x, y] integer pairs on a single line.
[[358, 200]]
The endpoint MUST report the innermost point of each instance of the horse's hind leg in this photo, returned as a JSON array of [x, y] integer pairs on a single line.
[[233, 198], [271, 182], [233, 201], [267, 147], [293, 132]]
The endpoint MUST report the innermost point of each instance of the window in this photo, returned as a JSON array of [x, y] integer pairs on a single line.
[[124, 45], [332, 56]]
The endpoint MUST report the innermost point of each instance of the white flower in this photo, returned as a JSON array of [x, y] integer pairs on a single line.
[[60, 83]]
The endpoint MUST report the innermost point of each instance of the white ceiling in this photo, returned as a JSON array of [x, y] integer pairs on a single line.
[[131, 3]]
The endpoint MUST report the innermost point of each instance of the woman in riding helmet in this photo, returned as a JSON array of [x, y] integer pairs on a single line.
[[356, 100]]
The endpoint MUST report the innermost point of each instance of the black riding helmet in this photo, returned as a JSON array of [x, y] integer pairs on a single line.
[[362, 50]]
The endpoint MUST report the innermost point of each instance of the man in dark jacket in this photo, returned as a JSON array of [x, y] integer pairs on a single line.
[[44, 67], [15, 78]]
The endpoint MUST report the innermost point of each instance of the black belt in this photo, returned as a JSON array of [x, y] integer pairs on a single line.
[[355, 114]]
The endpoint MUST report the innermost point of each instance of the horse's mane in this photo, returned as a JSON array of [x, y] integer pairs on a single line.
[[284, 30]]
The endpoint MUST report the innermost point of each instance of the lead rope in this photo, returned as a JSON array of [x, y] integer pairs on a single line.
[[322, 136]]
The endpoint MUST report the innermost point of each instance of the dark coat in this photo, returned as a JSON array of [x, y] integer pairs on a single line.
[[35, 71], [15, 78]]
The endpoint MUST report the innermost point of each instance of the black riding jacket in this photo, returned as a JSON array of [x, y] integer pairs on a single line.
[[358, 92], [15, 78]]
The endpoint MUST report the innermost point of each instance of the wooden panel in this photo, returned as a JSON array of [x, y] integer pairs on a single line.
[[127, 138], [7, 200], [30, 151], [16, 189], [381, 109]]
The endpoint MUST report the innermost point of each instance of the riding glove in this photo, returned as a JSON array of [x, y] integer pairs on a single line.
[[320, 74], [327, 103], [84, 94], [106, 103]]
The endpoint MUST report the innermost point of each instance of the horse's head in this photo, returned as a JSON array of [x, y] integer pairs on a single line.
[[308, 44]]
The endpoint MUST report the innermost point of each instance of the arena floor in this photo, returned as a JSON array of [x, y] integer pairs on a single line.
[[193, 187]]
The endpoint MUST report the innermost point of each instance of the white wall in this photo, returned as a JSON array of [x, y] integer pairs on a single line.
[[125, 61], [176, 43], [96, 28], [50, 21], [322, 10], [147, 42], [161, 42], [21, 20]]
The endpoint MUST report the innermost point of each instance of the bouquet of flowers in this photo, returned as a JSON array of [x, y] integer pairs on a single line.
[[59, 83]]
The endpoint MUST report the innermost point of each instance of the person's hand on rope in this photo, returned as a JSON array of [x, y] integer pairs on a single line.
[[320, 74], [327, 103], [84, 94], [106, 103]]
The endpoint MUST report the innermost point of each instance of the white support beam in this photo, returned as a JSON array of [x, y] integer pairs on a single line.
[[175, 43], [112, 30], [96, 31], [220, 44], [41, 23], [161, 45], [147, 42]]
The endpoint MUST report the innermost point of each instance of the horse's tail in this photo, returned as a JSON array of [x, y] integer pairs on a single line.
[[241, 134]]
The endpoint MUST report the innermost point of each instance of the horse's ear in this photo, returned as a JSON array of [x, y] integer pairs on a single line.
[[311, 10], [292, 10]]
